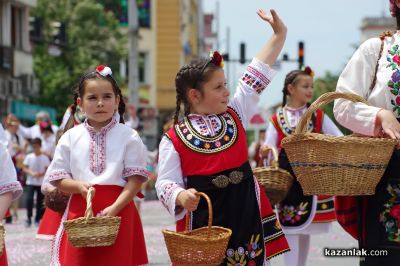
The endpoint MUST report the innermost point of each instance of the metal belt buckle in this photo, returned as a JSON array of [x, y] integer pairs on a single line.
[[221, 181], [235, 177]]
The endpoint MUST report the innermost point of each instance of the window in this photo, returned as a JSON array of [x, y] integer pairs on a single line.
[[16, 27]]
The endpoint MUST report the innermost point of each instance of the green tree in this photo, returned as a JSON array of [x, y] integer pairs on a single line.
[[93, 37]]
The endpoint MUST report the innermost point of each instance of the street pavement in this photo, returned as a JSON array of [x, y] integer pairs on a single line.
[[24, 249]]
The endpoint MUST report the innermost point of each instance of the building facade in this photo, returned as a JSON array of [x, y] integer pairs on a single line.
[[16, 64]]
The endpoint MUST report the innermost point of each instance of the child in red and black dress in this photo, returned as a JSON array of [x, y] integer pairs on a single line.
[[299, 215], [207, 152]]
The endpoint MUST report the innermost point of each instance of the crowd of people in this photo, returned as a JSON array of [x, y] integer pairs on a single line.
[[204, 149]]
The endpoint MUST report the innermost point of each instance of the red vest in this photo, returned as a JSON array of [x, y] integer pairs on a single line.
[[225, 151]]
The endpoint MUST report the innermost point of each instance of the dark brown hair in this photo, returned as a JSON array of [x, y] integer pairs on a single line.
[[192, 75], [291, 78], [79, 91]]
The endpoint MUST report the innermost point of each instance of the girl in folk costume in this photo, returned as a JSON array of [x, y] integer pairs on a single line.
[[299, 215], [104, 153], [207, 152], [10, 188], [373, 73]]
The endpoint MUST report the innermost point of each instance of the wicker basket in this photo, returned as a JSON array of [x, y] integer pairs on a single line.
[[339, 166], [89, 231], [56, 200], [203, 246], [275, 181], [2, 234]]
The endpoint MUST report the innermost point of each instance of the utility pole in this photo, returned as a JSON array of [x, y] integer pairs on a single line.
[[217, 25], [133, 33]]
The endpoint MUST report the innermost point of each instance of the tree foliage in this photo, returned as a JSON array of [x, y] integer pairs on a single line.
[[93, 37]]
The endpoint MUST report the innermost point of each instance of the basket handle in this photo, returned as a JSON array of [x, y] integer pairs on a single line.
[[210, 217], [274, 163], [89, 210], [321, 101]]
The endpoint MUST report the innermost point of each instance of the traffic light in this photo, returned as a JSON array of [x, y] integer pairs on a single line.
[[35, 29], [301, 54], [59, 33], [242, 59], [225, 57]]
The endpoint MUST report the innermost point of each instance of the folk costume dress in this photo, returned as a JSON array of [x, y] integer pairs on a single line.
[[209, 153], [374, 220], [298, 214], [105, 159], [8, 183]]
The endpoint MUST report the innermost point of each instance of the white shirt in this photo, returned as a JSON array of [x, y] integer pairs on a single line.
[[33, 131], [37, 164], [293, 116], [357, 77], [49, 144], [107, 157], [170, 181], [8, 176]]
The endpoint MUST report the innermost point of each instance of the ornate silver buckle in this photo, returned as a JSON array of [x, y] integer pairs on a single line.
[[222, 181]]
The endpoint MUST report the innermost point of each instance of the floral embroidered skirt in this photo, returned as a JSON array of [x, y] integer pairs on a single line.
[[380, 217], [255, 230]]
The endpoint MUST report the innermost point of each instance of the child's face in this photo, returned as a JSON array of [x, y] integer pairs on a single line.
[[99, 102], [214, 97], [36, 147], [302, 91]]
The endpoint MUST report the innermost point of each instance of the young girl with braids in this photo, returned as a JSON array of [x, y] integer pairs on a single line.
[[105, 154], [373, 73], [206, 151], [299, 215]]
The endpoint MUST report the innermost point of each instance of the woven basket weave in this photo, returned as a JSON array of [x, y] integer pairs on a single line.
[[275, 181], [89, 231], [203, 246], [2, 234], [339, 166]]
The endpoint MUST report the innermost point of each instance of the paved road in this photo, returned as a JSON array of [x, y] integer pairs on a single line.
[[23, 249]]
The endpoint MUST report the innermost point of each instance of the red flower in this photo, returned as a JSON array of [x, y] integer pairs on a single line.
[[398, 100], [396, 59], [395, 212], [217, 58]]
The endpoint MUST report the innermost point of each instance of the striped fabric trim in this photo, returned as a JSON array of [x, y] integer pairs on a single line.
[[339, 165]]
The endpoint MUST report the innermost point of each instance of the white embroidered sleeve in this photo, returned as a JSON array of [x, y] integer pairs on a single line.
[[356, 78], [271, 139], [8, 176], [253, 81], [170, 180], [60, 167], [135, 159], [328, 127]]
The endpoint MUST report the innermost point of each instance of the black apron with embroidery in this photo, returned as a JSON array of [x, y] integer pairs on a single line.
[[295, 209], [380, 216], [234, 207]]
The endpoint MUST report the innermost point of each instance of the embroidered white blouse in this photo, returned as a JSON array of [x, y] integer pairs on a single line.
[[293, 116], [170, 181], [8, 176], [357, 77], [107, 157]]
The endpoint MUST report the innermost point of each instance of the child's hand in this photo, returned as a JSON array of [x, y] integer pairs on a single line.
[[264, 151], [276, 23], [188, 199], [388, 125], [109, 211], [83, 189]]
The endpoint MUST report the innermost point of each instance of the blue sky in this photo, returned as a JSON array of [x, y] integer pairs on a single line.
[[329, 29]]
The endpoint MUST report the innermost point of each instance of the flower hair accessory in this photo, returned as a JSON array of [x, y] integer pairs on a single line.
[[216, 59], [104, 70], [308, 71], [392, 7]]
